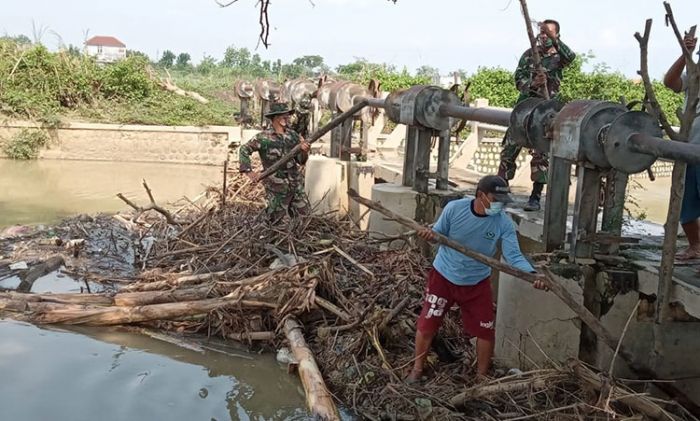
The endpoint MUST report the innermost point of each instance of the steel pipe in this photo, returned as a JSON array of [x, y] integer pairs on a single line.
[[677, 151], [482, 115], [373, 102]]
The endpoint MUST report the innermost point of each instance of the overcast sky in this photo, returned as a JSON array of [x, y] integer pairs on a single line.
[[447, 34]]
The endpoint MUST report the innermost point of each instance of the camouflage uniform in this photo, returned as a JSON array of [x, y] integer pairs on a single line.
[[554, 65], [302, 117], [284, 190]]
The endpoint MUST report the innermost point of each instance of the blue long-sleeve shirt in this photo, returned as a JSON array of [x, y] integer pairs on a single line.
[[460, 223]]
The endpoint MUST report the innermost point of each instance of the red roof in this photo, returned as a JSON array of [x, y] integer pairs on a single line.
[[105, 42]]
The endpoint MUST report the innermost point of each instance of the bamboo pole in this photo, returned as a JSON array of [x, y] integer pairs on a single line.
[[441, 239], [318, 398], [536, 59]]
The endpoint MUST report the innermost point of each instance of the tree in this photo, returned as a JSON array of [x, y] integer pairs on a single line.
[[428, 72], [310, 64], [207, 64], [183, 60], [136, 53], [73, 51], [167, 59], [18, 39], [236, 58], [277, 67]]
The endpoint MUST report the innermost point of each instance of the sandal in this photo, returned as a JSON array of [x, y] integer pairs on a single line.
[[687, 254], [413, 380]]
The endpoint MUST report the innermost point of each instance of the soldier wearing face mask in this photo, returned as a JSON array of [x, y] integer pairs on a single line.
[[479, 224]]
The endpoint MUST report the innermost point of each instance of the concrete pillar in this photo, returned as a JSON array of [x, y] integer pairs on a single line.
[[400, 199], [529, 320], [406, 202], [322, 184], [360, 177]]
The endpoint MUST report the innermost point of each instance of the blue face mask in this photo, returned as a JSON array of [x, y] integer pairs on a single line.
[[494, 207]]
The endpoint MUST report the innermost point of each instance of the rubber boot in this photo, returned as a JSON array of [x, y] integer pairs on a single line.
[[533, 204]]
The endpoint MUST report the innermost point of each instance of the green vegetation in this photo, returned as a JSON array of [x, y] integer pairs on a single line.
[[25, 144], [48, 87], [44, 86]]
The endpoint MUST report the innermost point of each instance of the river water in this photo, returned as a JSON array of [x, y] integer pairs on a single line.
[[103, 374], [106, 374], [45, 191]]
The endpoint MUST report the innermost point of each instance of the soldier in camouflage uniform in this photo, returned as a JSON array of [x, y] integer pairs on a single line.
[[285, 188], [555, 57], [302, 116]]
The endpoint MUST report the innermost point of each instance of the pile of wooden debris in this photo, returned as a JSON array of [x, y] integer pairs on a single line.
[[217, 267]]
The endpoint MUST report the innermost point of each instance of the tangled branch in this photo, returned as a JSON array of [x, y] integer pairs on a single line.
[[264, 19]]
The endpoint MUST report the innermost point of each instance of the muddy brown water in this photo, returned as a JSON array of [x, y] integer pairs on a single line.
[[45, 191], [106, 374]]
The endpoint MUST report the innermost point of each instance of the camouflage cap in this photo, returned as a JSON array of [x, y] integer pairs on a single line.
[[278, 108]]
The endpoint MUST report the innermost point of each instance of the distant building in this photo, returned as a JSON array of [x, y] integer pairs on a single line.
[[105, 49]]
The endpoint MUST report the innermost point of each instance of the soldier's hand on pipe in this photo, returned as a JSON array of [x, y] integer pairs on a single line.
[[305, 146], [426, 234], [253, 176]]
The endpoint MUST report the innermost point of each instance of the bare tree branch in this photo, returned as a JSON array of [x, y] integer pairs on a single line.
[[225, 4], [672, 21], [152, 206], [654, 105]]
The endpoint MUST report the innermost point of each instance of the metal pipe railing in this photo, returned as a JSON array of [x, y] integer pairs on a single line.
[[482, 115], [668, 149]]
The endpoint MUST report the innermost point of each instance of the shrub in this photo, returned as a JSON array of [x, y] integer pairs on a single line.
[[25, 144]]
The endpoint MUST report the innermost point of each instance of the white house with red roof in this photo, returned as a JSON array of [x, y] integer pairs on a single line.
[[105, 49]]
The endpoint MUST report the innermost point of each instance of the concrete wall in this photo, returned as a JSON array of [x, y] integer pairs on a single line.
[[534, 328], [133, 143]]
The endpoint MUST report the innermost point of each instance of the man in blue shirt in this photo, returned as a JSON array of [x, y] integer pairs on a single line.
[[479, 224], [676, 80]]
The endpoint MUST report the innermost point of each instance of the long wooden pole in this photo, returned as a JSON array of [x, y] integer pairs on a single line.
[[314, 137], [318, 398], [536, 59], [441, 239], [557, 288]]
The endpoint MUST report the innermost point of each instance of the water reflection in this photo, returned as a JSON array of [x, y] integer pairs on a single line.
[[88, 374]]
